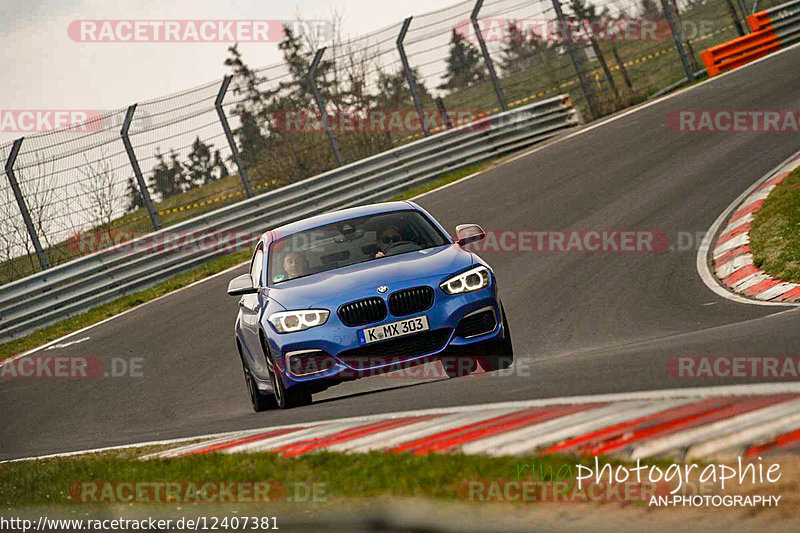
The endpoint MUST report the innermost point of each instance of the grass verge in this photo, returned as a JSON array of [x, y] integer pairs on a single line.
[[214, 266], [47, 482], [775, 234]]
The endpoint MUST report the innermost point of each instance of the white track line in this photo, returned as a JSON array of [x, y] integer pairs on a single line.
[[736, 242], [537, 435], [383, 441], [777, 290], [271, 443], [740, 222], [734, 264], [743, 438], [599, 421], [183, 450], [390, 437], [686, 438]]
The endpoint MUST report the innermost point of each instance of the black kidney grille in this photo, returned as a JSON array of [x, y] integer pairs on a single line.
[[410, 301], [395, 350], [477, 324], [363, 311]]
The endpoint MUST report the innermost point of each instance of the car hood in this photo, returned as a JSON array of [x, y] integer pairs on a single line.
[[335, 287]]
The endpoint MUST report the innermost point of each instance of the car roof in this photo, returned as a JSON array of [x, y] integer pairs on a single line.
[[343, 214]]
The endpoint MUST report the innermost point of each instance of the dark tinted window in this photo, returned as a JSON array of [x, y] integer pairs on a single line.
[[351, 241]]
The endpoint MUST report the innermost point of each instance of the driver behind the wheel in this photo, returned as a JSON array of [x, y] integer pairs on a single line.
[[295, 265], [386, 238]]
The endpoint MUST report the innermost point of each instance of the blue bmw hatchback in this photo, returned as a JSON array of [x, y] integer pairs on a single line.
[[362, 291]]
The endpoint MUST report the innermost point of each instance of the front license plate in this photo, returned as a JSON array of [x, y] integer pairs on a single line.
[[395, 329]]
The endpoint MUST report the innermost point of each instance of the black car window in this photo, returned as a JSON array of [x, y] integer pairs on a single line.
[[351, 241]]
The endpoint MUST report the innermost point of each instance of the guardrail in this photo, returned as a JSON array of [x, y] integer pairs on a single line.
[[772, 29], [783, 20], [74, 287]]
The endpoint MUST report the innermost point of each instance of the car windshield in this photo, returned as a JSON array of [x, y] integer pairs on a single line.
[[350, 241]]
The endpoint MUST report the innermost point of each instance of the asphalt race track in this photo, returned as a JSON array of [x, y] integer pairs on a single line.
[[582, 323]]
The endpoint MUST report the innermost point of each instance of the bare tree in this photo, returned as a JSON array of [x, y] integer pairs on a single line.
[[16, 251], [100, 199]]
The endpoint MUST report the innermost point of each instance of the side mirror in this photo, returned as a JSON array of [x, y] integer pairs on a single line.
[[467, 233], [241, 285]]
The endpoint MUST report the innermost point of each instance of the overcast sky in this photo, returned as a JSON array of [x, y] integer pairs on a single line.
[[42, 68]]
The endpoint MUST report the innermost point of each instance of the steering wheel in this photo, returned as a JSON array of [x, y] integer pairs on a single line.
[[401, 246]]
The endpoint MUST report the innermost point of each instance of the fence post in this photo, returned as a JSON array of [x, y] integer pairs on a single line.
[[676, 14], [312, 82], [677, 36], [744, 12], [486, 57], [226, 81], [23, 208], [735, 16], [577, 63], [447, 123], [136, 170], [601, 58], [621, 65], [410, 76]]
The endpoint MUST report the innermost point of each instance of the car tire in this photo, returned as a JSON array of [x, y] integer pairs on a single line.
[[502, 354], [259, 400], [284, 398], [287, 398]]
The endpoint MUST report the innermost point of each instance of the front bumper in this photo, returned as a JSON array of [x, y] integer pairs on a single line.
[[333, 352]]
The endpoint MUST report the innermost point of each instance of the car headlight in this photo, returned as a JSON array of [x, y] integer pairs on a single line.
[[471, 280], [291, 321]]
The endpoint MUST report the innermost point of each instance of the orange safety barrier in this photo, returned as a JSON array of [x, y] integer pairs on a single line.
[[758, 21], [740, 51]]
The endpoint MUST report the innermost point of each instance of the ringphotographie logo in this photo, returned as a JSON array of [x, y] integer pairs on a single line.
[[196, 31]]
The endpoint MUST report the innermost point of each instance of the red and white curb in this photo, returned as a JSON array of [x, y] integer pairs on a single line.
[[733, 260], [682, 423]]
